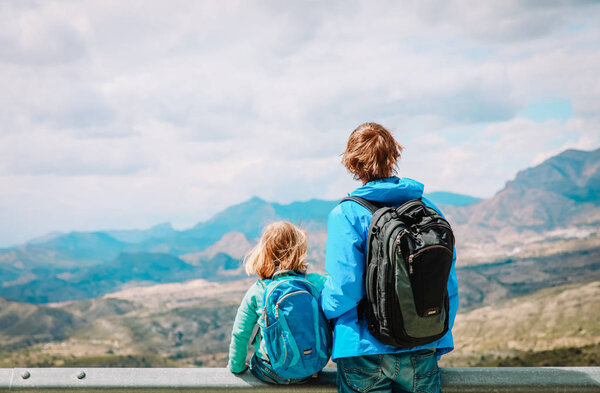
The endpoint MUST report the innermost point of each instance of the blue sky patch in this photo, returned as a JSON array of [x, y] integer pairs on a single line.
[[541, 111]]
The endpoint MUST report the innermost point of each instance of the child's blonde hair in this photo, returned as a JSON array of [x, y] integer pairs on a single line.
[[282, 246]]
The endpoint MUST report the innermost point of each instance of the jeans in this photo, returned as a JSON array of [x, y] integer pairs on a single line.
[[263, 371], [395, 372]]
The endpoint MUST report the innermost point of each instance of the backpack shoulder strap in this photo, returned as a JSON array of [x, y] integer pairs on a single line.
[[369, 205], [264, 283]]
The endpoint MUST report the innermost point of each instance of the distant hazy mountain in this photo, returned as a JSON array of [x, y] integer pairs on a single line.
[[451, 199], [249, 218], [126, 270], [562, 192], [58, 255], [234, 244], [66, 250], [67, 266], [138, 236], [573, 174]]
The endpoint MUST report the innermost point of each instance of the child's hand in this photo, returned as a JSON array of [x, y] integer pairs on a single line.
[[246, 366]]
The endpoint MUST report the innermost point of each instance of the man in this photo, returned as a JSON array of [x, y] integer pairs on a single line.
[[365, 364]]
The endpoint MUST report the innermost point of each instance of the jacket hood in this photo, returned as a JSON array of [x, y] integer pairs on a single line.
[[392, 190]]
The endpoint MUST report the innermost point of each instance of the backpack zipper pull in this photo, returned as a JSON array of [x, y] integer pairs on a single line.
[[410, 263]]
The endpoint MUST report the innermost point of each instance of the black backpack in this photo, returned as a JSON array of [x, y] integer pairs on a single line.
[[408, 261]]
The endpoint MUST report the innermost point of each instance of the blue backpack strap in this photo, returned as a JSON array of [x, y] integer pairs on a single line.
[[264, 282], [318, 330], [293, 345]]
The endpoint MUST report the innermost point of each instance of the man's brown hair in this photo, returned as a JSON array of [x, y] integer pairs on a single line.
[[371, 153]]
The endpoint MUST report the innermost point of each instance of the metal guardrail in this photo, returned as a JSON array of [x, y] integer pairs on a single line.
[[116, 380]]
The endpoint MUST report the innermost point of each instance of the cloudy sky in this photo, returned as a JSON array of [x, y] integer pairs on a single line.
[[125, 114]]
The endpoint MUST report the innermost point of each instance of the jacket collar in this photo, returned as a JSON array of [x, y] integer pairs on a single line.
[[390, 190]]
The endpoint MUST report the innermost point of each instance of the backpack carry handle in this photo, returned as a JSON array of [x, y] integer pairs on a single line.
[[370, 206], [416, 214], [290, 272]]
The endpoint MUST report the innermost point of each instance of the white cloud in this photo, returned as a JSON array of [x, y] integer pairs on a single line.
[[33, 34], [127, 114]]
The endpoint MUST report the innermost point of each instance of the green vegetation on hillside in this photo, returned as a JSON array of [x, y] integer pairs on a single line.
[[551, 319], [142, 360], [191, 329], [588, 356]]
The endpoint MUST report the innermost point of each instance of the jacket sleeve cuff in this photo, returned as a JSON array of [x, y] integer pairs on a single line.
[[236, 368]]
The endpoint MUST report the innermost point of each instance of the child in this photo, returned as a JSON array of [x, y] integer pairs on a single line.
[[280, 252]]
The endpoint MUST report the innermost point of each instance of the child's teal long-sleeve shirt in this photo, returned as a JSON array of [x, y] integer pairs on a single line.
[[246, 319]]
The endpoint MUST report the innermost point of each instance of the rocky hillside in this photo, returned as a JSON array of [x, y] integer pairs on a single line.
[[492, 283], [24, 324], [179, 324], [560, 317], [189, 324], [561, 193]]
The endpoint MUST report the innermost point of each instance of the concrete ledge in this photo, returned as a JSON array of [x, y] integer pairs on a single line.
[[476, 379]]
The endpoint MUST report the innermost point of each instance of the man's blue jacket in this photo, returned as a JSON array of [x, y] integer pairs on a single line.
[[347, 227]]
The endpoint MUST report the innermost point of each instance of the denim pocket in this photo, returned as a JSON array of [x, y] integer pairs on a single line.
[[361, 373], [427, 378]]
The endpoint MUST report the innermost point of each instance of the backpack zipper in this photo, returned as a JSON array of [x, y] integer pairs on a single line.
[[397, 253], [284, 347], [289, 279], [411, 257], [399, 239], [400, 235], [283, 297], [271, 291]]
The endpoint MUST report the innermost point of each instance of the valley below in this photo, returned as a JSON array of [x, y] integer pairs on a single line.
[[510, 313], [169, 325]]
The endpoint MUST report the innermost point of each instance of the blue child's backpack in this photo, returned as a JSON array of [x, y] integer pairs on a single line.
[[296, 334]]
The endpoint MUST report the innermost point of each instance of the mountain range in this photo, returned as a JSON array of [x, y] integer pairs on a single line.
[[561, 194], [528, 269], [562, 191], [560, 198], [80, 265]]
